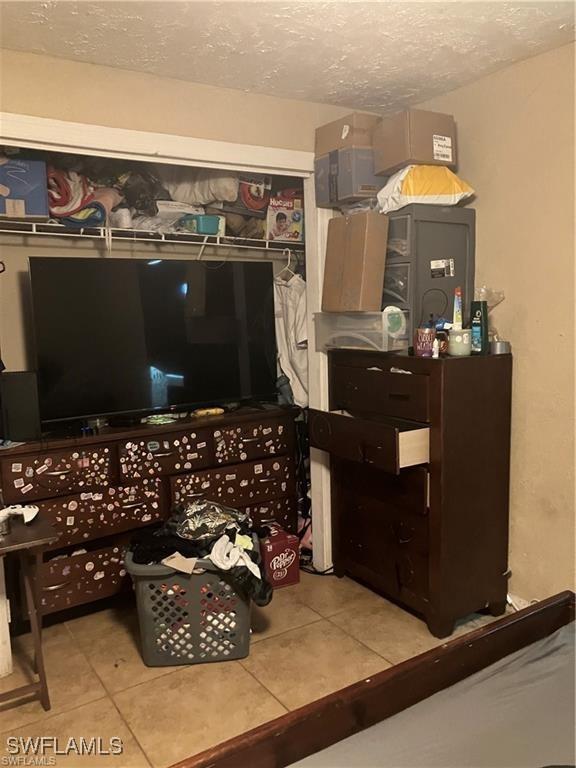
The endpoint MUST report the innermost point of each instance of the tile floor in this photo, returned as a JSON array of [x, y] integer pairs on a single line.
[[313, 639]]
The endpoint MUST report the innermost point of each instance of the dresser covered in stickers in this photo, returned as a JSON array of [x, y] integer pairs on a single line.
[[96, 490]]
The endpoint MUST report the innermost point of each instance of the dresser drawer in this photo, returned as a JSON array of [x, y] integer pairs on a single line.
[[165, 454], [387, 446], [53, 473], [92, 515], [238, 486], [282, 511], [255, 440], [383, 528], [76, 579], [373, 390]]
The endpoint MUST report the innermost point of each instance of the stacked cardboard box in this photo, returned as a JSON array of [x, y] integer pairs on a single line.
[[355, 262], [413, 137], [353, 157], [344, 163]]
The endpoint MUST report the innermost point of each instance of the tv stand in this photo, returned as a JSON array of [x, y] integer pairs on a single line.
[[96, 490]]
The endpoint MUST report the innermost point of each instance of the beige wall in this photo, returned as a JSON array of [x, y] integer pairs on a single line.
[[87, 93], [516, 139]]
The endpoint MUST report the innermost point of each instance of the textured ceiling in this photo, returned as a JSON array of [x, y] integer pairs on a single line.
[[371, 55]]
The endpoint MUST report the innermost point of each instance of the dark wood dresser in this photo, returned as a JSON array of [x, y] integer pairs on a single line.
[[420, 460], [96, 490]]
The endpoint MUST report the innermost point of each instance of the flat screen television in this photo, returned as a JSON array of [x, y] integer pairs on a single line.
[[130, 336]]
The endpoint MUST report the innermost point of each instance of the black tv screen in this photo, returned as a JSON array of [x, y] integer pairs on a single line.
[[118, 336]]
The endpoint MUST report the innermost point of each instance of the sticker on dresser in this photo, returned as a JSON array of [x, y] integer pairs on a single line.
[[240, 485], [94, 514], [251, 441], [81, 577], [165, 454], [282, 511], [50, 474]]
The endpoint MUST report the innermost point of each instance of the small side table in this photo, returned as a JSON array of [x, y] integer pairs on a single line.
[[29, 540]]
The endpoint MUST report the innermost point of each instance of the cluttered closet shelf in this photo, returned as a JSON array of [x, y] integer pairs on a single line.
[[270, 248]]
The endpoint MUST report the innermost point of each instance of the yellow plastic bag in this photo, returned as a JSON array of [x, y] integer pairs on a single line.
[[430, 184]]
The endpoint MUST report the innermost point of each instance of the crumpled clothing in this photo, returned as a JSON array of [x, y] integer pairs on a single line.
[[206, 529], [258, 590], [92, 215], [203, 519], [243, 541], [142, 190], [109, 197], [152, 545], [226, 555], [68, 192]]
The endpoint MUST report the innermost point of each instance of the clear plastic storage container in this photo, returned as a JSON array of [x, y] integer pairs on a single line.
[[385, 331]]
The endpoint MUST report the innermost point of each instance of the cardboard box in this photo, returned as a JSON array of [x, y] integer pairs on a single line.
[[355, 263], [345, 176], [23, 189], [281, 557], [354, 130], [414, 136], [285, 219]]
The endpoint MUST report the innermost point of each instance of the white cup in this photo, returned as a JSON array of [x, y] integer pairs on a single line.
[[459, 342]]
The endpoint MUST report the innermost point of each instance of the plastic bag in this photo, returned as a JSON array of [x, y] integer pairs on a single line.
[[492, 297], [198, 186], [430, 184]]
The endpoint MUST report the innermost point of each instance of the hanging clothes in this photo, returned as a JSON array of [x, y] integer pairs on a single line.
[[292, 334]]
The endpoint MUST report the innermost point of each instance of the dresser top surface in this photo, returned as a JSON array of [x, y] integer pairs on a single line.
[[117, 434]]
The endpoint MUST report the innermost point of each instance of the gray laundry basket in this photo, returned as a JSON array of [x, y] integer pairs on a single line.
[[189, 619]]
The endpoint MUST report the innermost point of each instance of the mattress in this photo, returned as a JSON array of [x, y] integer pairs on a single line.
[[516, 713]]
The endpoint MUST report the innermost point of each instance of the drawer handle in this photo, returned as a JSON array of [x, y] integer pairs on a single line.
[[168, 453], [362, 448], [398, 396], [55, 587], [400, 535], [249, 439], [56, 473], [131, 506]]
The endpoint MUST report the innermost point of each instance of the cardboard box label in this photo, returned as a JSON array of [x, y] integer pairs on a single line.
[[281, 562], [442, 148], [345, 131]]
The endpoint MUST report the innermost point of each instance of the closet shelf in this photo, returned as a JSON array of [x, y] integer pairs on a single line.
[[43, 229]]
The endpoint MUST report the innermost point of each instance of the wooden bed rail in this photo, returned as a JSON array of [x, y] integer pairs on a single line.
[[314, 727]]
